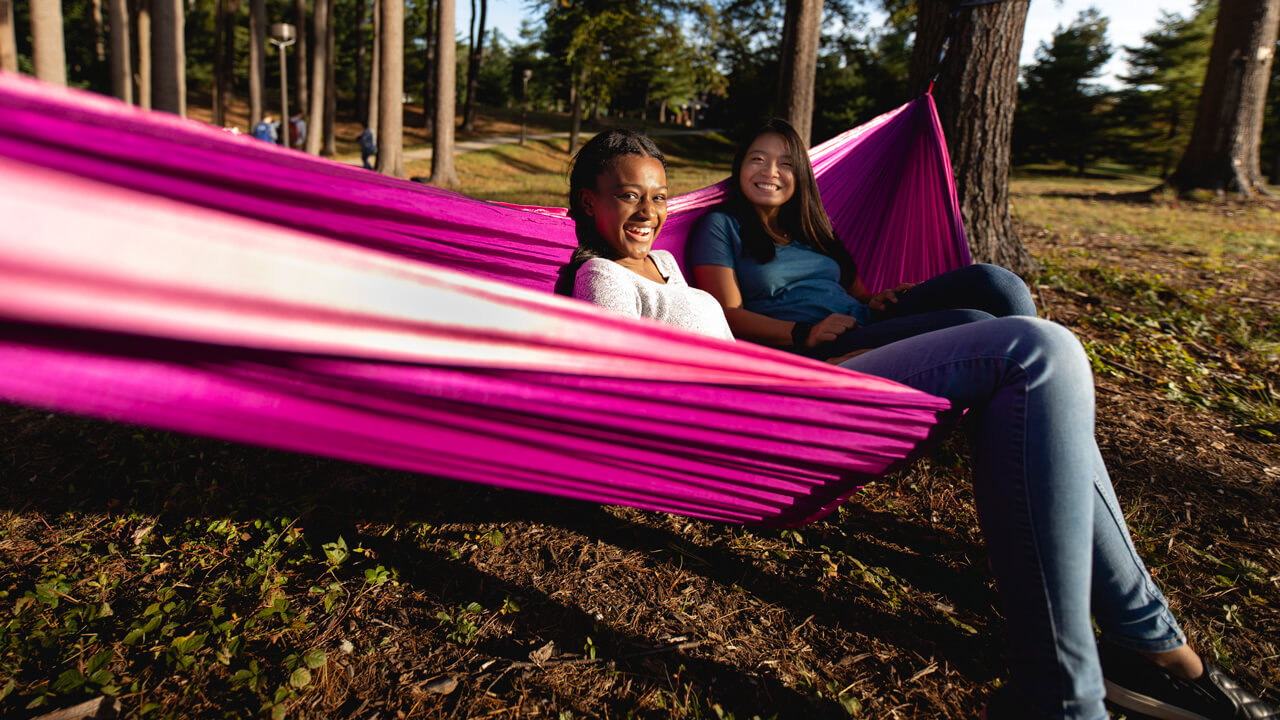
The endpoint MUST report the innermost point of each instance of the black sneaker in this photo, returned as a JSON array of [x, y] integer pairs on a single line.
[[1137, 684]]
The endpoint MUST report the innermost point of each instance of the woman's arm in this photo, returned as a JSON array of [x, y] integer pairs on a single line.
[[722, 283], [880, 300]]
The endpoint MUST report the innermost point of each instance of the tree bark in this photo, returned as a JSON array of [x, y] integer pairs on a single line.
[[48, 47], [168, 76], [257, 59], [220, 52], [1224, 151], [442, 169], [375, 69], [143, 36], [302, 66], [121, 63], [99, 33], [473, 65], [391, 89], [320, 45], [801, 32], [575, 113], [363, 96], [429, 82], [8, 38], [330, 89], [976, 93]]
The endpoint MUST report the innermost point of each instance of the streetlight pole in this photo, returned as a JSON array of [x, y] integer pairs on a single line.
[[524, 102], [282, 36]]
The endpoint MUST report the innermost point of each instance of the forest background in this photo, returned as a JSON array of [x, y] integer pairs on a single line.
[[710, 64]]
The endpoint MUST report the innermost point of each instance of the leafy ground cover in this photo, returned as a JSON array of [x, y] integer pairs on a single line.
[[192, 578]]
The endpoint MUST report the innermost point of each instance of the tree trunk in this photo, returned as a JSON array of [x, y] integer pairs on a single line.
[[121, 64], [1225, 147], [228, 71], [8, 38], [473, 65], [429, 82], [330, 89], [575, 102], [320, 44], [142, 77], [47, 45], [168, 55], [220, 52], [302, 66], [799, 55], [375, 69], [442, 170], [257, 59], [391, 90], [362, 86], [99, 33], [976, 94], [168, 76], [375, 87]]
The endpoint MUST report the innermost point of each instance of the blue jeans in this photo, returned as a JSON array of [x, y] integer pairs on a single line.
[[969, 294], [1042, 495]]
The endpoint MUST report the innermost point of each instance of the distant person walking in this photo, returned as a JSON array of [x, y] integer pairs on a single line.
[[265, 130], [368, 147], [297, 130]]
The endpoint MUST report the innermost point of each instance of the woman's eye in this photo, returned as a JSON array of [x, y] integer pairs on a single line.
[[660, 198]]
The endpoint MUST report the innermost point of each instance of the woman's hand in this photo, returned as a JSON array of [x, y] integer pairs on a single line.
[[831, 327], [882, 299]]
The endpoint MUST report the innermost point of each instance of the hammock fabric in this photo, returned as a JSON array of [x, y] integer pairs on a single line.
[[163, 272]]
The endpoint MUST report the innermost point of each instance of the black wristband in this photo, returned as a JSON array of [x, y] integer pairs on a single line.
[[800, 336]]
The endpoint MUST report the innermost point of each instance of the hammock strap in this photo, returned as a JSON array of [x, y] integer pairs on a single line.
[[947, 33]]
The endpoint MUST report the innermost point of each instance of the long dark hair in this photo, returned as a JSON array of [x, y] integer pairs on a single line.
[[594, 158], [801, 217]]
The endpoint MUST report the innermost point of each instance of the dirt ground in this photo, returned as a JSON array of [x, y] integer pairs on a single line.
[[505, 604]]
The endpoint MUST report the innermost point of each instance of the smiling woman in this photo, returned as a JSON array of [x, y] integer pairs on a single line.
[[772, 259], [618, 202]]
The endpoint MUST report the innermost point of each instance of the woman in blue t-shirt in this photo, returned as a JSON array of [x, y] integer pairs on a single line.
[[771, 258]]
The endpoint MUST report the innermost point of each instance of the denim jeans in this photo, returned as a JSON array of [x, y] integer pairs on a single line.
[[1043, 496], [969, 294]]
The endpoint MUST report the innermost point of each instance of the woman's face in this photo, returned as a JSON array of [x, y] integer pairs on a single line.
[[629, 205], [768, 177]]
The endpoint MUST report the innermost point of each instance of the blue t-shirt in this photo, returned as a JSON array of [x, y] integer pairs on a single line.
[[800, 284]]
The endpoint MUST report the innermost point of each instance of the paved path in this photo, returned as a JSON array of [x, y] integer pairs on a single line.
[[487, 143]]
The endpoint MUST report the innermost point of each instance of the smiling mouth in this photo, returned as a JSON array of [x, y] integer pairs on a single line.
[[640, 232], [768, 187]]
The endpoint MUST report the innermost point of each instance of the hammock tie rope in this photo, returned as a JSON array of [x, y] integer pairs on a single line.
[[161, 272], [949, 31]]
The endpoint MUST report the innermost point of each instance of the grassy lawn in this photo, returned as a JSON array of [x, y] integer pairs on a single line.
[[193, 578]]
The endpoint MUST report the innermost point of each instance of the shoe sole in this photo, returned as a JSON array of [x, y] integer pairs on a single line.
[[1147, 705]]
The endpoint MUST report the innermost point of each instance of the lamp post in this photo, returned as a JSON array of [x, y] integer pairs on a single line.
[[282, 36], [524, 102]]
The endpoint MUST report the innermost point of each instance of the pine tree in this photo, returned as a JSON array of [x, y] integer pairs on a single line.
[[1059, 111], [1157, 108]]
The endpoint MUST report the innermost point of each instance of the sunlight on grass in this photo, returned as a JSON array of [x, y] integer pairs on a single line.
[[1070, 207]]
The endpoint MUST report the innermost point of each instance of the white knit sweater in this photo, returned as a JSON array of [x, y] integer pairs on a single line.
[[609, 285]]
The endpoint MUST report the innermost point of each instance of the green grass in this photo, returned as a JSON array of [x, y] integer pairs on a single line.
[[1071, 206]]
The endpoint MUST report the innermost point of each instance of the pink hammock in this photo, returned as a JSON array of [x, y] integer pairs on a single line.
[[159, 271]]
